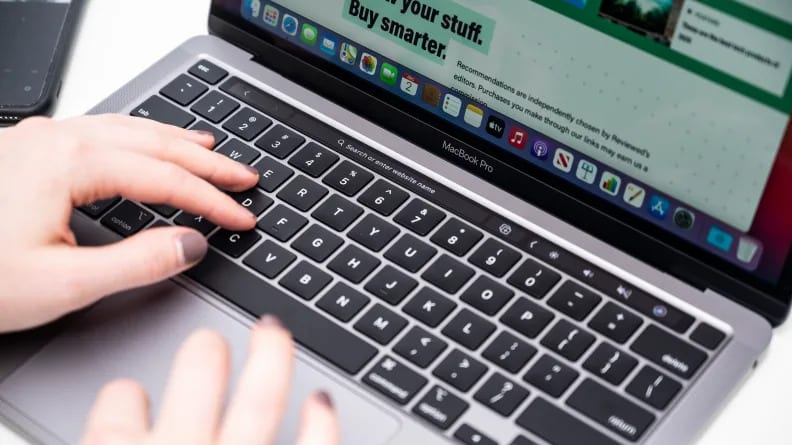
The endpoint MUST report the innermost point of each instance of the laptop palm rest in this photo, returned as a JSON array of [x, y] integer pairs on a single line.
[[135, 335]]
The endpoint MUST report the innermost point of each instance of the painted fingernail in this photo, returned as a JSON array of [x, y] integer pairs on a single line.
[[324, 398], [193, 247], [252, 170], [270, 321]]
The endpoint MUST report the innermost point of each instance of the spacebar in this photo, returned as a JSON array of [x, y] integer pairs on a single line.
[[258, 297]]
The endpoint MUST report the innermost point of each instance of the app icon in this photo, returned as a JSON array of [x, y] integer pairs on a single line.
[[368, 64], [271, 15], [309, 34], [496, 126], [452, 105], [563, 160], [747, 249], [389, 74], [610, 183], [474, 115], [290, 24], [348, 53], [720, 239], [684, 218], [586, 171], [540, 149], [409, 84], [518, 138], [635, 195], [328, 45], [255, 8], [659, 207], [431, 94]]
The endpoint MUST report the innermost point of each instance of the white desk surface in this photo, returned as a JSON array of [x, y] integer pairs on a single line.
[[119, 39]]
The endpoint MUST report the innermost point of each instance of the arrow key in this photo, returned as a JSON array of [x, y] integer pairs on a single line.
[[420, 347]]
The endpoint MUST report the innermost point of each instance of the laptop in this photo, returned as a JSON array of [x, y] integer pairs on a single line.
[[515, 222]]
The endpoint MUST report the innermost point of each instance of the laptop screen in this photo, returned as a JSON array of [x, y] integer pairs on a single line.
[[676, 112]]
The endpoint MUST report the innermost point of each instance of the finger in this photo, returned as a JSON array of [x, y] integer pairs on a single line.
[[260, 397], [142, 178], [119, 415], [319, 424], [172, 144], [86, 274], [196, 389]]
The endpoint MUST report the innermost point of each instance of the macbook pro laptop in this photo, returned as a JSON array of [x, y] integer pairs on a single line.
[[515, 222]]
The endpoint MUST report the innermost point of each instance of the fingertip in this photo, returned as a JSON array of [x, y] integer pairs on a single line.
[[191, 247], [201, 137]]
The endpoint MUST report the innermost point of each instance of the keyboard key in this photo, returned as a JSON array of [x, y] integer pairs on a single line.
[[448, 274], [239, 151], [282, 223], [615, 322], [272, 174], [234, 243], [610, 410], [551, 376], [420, 347], [534, 279], [460, 370], [610, 364], [219, 136], [308, 326], [183, 90], [373, 232], [163, 209], [343, 302], [246, 124], [522, 440], [208, 72], [495, 257], [468, 329], [96, 209], [253, 200], [305, 280], [348, 178], [302, 193], [394, 380], [509, 352], [707, 336], [317, 243], [419, 217], [574, 300], [457, 237], [654, 388], [160, 110], [127, 219], [353, 264], [568, 340], [669, 352], [487, 295], [527, 318], [429, 307], [270, 259], [280, 141], [390, 285], [337, 212], [196, 222], [313, 159], [471, 436], [410, 253], [440, 407], [381, 324], [215, 107], [383, 197], [558, 427], [501, 394]]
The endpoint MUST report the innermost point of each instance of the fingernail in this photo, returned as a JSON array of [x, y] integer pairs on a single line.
[[324, 398], [193, 247], [252, 170], [204, 133], [270, 321]]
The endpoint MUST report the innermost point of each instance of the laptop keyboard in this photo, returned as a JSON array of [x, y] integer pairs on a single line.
[[432, 311]]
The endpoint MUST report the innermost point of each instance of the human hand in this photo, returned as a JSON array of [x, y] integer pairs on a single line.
[[191, 411], [48, 167]]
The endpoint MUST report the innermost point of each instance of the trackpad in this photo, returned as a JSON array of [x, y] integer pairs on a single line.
[[136, 335]]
